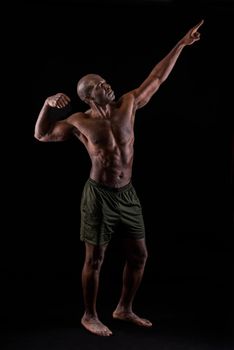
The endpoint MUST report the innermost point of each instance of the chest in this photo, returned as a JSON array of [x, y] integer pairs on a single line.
[[110, 133]]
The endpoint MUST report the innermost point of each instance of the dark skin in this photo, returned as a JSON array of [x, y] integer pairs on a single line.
[[107, 131]]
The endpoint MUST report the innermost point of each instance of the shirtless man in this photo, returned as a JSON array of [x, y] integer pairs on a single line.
[[107, 131]]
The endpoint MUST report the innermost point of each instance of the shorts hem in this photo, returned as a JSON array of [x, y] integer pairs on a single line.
[[93, 243]]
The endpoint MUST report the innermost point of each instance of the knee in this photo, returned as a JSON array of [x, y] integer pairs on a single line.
[[94, 263], [138, 261]]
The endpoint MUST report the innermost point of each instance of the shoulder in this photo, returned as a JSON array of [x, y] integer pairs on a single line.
[[126, 101], [76, 118], [126, 98]]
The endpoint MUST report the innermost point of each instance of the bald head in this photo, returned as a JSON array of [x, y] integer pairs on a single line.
[[86, 84]]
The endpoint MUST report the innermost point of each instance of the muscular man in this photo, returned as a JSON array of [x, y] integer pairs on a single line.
[[107, 131]]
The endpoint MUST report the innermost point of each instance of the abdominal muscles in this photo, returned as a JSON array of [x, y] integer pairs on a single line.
[[112, 166]]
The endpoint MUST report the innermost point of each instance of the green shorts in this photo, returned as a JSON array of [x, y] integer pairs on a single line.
[[104, 208]]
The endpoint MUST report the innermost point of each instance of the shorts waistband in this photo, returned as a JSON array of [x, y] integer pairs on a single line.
[[110, 189]]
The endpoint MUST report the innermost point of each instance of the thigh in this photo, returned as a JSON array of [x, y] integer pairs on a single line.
[[132, 219], [98, 221]]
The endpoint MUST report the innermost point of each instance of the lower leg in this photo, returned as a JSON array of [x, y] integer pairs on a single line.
[[90, 283], [132, 276], [131, 281]]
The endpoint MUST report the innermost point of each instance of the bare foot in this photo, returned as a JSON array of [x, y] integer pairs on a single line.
[[131, 317], [93, 325]]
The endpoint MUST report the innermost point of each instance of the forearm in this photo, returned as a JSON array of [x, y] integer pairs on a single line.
[[43, 123], [165, 66], [160, 72]]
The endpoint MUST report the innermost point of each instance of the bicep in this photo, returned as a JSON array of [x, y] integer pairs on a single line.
[[60, 131], [145, 91]]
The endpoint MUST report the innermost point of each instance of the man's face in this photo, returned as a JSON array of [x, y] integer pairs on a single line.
[[102, 92]]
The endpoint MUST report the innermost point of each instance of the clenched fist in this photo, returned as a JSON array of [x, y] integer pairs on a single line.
[[59, 100]]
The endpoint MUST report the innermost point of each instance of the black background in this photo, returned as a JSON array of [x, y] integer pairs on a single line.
[[182, 166]]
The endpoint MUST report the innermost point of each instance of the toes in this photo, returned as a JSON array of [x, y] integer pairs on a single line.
[[147, 322], [107, 332]]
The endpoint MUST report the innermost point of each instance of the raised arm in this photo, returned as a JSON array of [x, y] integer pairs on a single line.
[[160, 72], [48, 130]]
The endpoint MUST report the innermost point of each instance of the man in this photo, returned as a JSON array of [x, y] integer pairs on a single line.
[[109, 198]]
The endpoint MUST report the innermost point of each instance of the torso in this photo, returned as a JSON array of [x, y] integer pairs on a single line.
[[109, 142]]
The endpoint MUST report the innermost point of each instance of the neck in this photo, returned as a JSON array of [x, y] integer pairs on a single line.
[[101, 111]]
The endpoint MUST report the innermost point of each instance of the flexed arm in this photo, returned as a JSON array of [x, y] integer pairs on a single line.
[[47, 130], [162, 69]]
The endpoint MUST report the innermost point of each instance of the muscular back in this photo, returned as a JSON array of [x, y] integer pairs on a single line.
[[109, 141]]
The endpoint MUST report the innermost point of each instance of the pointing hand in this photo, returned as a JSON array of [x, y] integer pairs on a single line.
[[192, 35]]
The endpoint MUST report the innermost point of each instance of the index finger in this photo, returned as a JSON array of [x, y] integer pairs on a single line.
[[198, 25]]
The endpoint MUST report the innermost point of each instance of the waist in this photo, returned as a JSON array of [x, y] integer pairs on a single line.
[[109, 188]]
